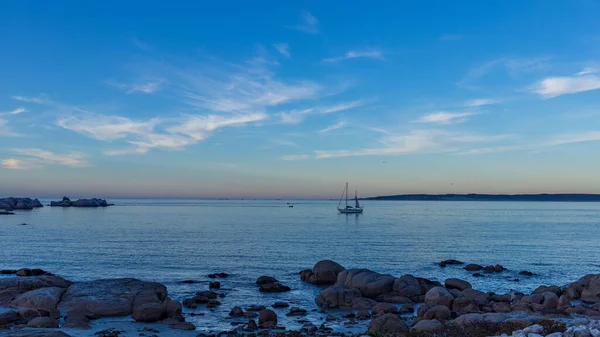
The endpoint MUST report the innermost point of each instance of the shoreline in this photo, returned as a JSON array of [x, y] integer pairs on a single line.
[[351, 302]]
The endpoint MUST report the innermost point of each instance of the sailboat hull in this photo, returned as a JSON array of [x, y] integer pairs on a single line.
[[350, 210]]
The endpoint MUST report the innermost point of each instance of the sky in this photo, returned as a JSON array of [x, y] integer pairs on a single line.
[[278, 99]]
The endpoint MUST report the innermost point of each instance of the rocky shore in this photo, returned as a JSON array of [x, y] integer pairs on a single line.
[[38, 303]]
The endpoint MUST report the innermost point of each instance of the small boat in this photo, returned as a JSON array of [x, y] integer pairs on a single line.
[[349, 209]]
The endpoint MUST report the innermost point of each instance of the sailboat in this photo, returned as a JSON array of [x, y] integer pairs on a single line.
[[349, 209]]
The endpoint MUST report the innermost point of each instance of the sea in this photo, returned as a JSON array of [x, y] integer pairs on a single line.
[[170, 241]]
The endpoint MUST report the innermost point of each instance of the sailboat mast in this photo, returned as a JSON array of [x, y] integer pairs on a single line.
[[346, 195]]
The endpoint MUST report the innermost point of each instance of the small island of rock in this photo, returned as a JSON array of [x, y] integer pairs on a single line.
[[93, 202], [10, 204]]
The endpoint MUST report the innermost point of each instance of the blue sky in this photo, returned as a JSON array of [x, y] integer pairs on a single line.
[[274, 99]]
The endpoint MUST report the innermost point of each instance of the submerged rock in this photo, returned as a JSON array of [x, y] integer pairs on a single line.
[[93, 202], [266, 280], [274, 288], [450, 262]]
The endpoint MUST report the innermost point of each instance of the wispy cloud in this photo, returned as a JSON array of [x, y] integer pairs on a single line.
[[296, 157], [140, 44], [308, 23], [5, 130], [197, 127], [42, 99], [333, 127], [564, 139], [297, 116], [514, 67], [588, 70], [444, 117], [34, 158], [16, 111], [475, 102], [556, 86], [416, 142], [352, 54], [283, 49], [148, 87], [122, 152], [106, 128]]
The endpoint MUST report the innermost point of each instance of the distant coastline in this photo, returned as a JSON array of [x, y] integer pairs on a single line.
[[562, 197]]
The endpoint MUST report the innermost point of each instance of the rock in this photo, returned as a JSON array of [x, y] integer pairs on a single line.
[[274, 288], [236, 312], [148, 313], [28, 314], [220, 275], [499, 268], [360, 303], [250, 314], [438, 312], [428, 325], [43, 322], [338, 295], [363, 315], [267, 318], [42, 298], [213, 304], [369, 283], [280, 305], [252, 325], [9, 317], [406, 308], [477, 275], [407, 286], [384, 308], [563, 303], [591, 292], [450, 262], [31, 272], [473, 267], [41, 334], [265, 280], [439, 296], [468, 319], [173, 309], [77, 320], [183, 326], [295, 311], [388, 324], [455, 283], [550, 300], [214, 285], [111, 297], [323, 272], [526, 273], [489, 269]]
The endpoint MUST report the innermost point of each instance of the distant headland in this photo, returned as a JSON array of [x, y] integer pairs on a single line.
[[564, 197]]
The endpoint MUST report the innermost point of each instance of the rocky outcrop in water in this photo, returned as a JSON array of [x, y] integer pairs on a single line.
[[11, 204], [41, 299], [93, 202], [323, 272]]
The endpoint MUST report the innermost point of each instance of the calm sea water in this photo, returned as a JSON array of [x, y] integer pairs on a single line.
[[173, 240]]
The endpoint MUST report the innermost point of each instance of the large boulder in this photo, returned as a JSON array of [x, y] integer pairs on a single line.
[[427, 325], [149, 312], [87, 203], [407, 286], [369, 283], [267, 319], [591, 290], [111, 297], [439, 312], [388, 324], [467, 319], [439, 296], [323, 272], [338, 295], [12, 287], [24, 203], [41, 298], [456, 283], [43, 322]]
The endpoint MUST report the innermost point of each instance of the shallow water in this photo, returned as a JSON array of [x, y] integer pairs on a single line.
[[173, 240]]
